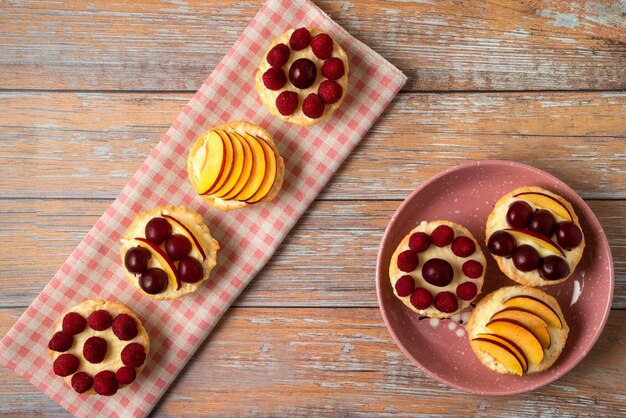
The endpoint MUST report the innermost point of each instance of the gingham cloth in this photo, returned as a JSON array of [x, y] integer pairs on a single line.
[[248, 237]]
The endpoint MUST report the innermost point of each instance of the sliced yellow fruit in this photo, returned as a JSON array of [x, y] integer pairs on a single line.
[[533, 322], [163, 259], [235, 173], [258, 170], [228, 162], [510, 345], [270, 172], [536, 306], [535, 238], [523, 337], [546, 202], [246, 170], [213, 164], [500, 353]]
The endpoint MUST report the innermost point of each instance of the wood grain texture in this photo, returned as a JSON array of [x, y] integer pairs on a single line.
[[440, 45]]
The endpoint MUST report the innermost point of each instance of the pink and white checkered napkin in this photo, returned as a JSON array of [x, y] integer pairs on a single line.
[[248, 237]]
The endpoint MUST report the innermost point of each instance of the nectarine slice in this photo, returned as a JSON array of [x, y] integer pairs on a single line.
[[533, 322], [228, 162], [546, 202], [510, 345], [237, 167], [523, 234], [270, 173], [536, 306], [500, 353], [213, 165], [246, 171], [523, 337], [163, 259], [186, 231], [258, 170]]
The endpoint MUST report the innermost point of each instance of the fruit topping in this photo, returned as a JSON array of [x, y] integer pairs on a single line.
[[153, 281], [274, 78], [287, 102], [543, 223], [95, 349], [158, 230], [190, 270], [105, 384], [136, 260], [407, 261], [508, 344], [65, 365], [164, 260], [74, 323], [438, 272], [568, 235], [501, 243], [472, 269], [521, 335], [322, 46], [99, 320], [302, 73], [278, 55], [300, 39], [533, 322], [133, 355], [177, 246], [501, 353], [537, 239], [525, 258], [446, 302], [333, 69], [536, 306], [405, 285], [213, 165], [553, 267], [519, 214], [330, 91], [81, 382], [419, 242], [125, 375], [313, 106], [61, 341], [259, 168], [269, 175], [125, 327], [191, 235], [463, 246], [421, 298], [467, 291], [442, 235], [547, 202]]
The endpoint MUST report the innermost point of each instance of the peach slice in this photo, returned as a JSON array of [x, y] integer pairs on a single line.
[[538, 239], [163, 259], [533, 322], [510, 345], [536, 306], [228, 162], [523, 337], [500, 353], [213, 164], [258, 169], [546, 202], [270, 173], [246, 171], [189, 234], [235, 173]]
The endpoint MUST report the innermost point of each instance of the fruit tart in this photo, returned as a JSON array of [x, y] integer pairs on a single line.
[[303, 76], [517, 330], [438, 269], [535, 236], [235, 165], [168, 252], [98, 347]]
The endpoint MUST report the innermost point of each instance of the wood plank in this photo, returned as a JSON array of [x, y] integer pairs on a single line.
[[89, 144], [443, 45], [308, 361], [339, 254]]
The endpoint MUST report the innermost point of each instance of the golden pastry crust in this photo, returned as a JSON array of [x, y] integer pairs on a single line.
[[114, 344], [192, 220], [268, 97], [497, 221], [239, 127], [493, 303]]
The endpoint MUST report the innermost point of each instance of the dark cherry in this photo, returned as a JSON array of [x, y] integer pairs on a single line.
[[438, 272], [302, 73], [568, 235], [525, 258], [553, 267], [501, 243], [177, 246], [158, 230], [543, 223], [190, 270], [153, 281], [136, 259], [519, 214]]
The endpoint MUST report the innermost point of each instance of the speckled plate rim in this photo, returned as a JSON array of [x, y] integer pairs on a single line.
[[592, 220]]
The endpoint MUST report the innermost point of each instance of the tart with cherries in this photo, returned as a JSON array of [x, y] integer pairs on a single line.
[[98, 347], [535, 236], [438, 269], [168, 252], [303, 77], [517, 330]]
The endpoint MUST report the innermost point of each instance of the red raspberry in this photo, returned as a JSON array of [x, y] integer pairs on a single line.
[[105, 384], [463, 246], [81, 382], [274, 78], [313, 106], [95, 349], [133, 355], [446, 302], [61, 341], [405, 285], [74, 323], [287, 102], [300, 39], [65, 365], [278, 55], [330, 91], [421, 298], [466, 291], [408, 261], [472, 269], [419, 242], [125, 375], [100, 320], [322, 46], [125, 327], [333, 69], [442, 235]]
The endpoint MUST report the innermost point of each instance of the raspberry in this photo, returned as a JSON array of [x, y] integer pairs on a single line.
[[442, 235], [274, 78], [95, 349], [330, 91], [313, 106], [466, 291], [322, 46], [419, 242], [408, 261], [133, 355], [278, 55], [100, 320], [61, 341], [286, 102], [405, 285], [463, 246], [65, 365], [300, 39], [105, 384], [421, 298], [125, 327], [81, 382], [333, 69], [125, 375], [74, 323], [446, 302], [472, 269]]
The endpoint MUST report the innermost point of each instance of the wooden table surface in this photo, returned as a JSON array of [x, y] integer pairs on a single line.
[[88, 88]]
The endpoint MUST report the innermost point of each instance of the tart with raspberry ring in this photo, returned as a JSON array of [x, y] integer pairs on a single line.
[[438, 269], [98, 347], [303, 77]]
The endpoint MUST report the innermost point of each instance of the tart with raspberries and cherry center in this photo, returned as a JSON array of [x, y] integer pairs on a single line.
[[438, 269], [303, 77], [98, 347]]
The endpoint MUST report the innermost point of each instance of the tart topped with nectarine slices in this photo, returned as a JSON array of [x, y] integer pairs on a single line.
[[235, 165], [168, 252], [535, 236]]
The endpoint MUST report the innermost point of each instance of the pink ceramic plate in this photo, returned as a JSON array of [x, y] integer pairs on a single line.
[[466, 194]]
